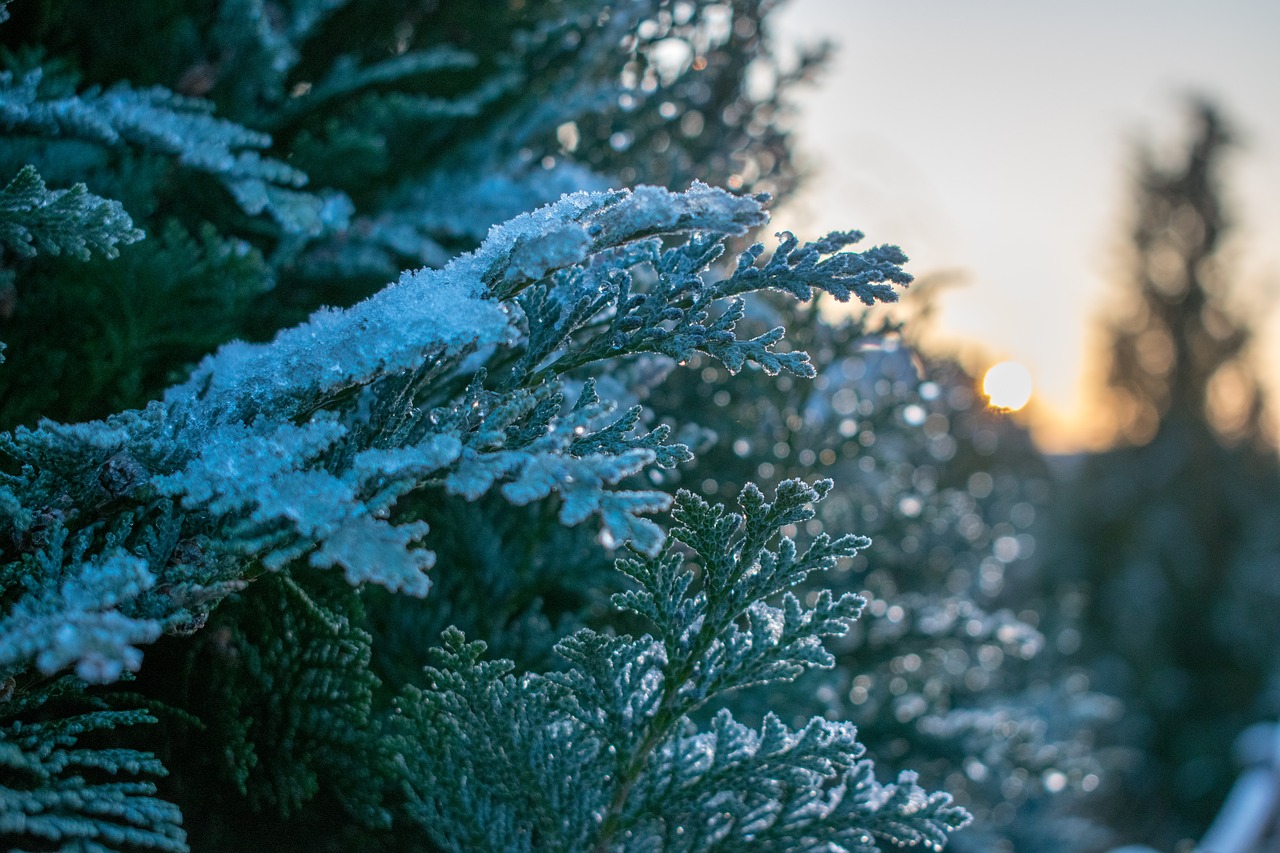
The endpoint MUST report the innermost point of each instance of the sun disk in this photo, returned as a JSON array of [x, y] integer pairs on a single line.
[[1008, 386]]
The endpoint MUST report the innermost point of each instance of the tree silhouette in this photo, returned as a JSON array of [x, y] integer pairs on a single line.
[[1173, 536], [1179, 354]]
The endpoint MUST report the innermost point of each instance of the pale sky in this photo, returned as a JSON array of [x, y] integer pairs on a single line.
[[993, 138]]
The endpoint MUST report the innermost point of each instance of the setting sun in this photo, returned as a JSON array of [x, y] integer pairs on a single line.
[[1007, 386]]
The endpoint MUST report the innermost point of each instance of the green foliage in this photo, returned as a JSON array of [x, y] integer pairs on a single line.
[[163, 123], [604, 755], [225, 459], [289, 696], [126, 324], [57, 788], [226, 446], [282, 503], [435, 128], [33, 218], [71, 615], [955, 668]]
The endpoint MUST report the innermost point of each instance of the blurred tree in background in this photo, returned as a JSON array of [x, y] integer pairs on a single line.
[[1174, 535], [1179, 346]]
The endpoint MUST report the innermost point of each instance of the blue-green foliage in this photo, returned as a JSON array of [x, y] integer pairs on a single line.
[[605, 755], [954, 670], [414, 134], [54, 789], [134, 320], [77, 622], [286, 450], [299, 449], [294, 490], [290, 673], [868, 275], [157, 120], [34, 218]]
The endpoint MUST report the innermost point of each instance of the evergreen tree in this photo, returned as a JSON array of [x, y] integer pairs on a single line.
[[297, 552], [283, 156], [1179, 352], [955, 669], [1173, 536]]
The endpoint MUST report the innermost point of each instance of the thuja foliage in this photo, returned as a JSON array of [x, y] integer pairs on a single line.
[[291, 455], [60, 790], [281, 156], [352, 581], [957, 667], [642, 772]]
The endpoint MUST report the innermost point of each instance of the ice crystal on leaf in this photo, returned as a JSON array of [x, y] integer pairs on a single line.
[[300, 447]]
